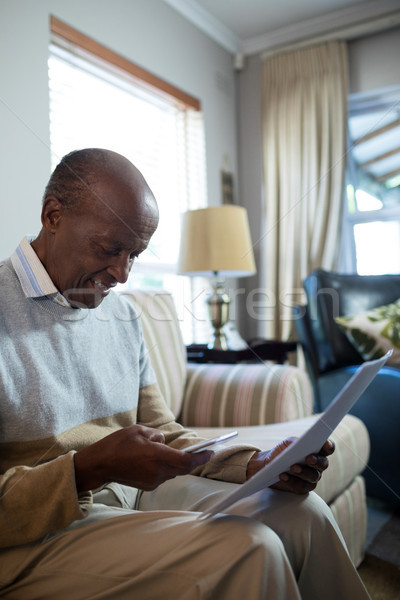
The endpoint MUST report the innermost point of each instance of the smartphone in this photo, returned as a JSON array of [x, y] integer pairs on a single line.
[[211, 442]]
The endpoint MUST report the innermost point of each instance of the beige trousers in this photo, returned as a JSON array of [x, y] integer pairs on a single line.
[[273, 545]]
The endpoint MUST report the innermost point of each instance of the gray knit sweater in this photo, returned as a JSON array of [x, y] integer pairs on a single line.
[[69, 377]]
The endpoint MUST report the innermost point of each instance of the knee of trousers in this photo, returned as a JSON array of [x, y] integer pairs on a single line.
[[308, 526], [314, 513], [249, 536]]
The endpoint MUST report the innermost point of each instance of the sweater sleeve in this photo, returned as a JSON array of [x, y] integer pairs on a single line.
[[39, 500], [229, 464]]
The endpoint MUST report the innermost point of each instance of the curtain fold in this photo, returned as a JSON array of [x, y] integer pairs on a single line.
[[304, 151]]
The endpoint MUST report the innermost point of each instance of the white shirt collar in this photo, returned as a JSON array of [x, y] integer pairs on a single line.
[[33, 277]]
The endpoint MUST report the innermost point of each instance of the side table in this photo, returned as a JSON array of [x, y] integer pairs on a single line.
[[258, 350]]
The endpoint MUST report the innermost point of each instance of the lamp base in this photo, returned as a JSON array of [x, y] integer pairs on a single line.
[[233, 338], [218, 341], [227, 338], [218, 310], [225, 335]]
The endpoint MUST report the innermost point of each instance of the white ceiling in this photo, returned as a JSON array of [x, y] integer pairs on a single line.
[[250, 26], [247, 27], [250, 18]]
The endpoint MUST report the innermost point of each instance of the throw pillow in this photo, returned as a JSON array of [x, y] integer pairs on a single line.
[[375, 331]]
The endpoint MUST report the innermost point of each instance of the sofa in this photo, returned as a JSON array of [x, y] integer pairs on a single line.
[[332, 354], [265, 402]]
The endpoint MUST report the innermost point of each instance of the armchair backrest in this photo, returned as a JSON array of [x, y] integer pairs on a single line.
[[330, 295], [164, 342]]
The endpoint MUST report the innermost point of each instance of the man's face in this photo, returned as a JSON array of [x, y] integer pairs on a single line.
[[93, 248]]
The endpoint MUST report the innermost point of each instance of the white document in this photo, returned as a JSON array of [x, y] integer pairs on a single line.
[[310, 442]]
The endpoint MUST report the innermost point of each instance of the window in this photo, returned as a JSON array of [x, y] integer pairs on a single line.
[[371, 235], [98, 99]]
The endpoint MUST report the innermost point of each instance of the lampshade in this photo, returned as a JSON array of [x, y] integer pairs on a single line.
[[216, 239]]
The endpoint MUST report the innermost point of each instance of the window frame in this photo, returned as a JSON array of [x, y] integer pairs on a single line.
[[360, 104], [126, 67], [84, 47]]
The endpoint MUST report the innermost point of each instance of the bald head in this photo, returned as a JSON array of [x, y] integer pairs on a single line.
[[98, 215], [79, 174]]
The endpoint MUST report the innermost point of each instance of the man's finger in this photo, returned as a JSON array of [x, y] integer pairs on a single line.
[[183, 461], [328, 448]]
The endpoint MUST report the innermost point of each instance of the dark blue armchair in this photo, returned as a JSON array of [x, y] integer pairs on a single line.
[[331, 360]]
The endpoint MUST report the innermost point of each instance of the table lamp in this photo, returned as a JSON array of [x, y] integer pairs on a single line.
[[216, 242]]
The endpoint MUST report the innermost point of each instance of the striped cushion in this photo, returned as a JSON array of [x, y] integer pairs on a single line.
[[350, 512], [245, 394], [164, 342], [348, 460], [341, 486]]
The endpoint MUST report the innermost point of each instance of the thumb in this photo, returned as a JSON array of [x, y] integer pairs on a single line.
[[200, 458], [276, 450]]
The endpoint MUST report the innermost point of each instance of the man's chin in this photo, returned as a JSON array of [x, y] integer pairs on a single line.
[[84, 298]]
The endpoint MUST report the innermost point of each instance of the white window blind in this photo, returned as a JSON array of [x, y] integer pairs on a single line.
[[95, 104]]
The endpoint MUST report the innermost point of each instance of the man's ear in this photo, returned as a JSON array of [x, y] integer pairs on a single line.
[[51, 214]]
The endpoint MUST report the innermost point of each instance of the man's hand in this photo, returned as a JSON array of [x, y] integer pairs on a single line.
[[136, 456], [301, 478]]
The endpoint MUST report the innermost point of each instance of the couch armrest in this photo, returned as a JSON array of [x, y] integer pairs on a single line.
[[245, 394]]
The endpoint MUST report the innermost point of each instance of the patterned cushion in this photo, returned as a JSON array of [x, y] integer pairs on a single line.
[[349, 459], [245, 394], [341, 486], [350, 512], [375, 331], [164, 342]]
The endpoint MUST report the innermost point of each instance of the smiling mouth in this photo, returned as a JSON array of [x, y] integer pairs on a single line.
[[104, 289]]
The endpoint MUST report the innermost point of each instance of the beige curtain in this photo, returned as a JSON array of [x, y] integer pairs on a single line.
[[304, 137]]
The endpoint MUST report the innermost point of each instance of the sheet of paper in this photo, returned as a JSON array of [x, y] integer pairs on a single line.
[[311, 441]]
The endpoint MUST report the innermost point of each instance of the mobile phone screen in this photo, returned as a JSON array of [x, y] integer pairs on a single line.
[[211, 442]]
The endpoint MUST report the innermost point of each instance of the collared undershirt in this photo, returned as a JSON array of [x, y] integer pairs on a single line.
[[33, 277]]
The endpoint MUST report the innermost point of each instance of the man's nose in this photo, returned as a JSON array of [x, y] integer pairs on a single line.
[[120, 268]]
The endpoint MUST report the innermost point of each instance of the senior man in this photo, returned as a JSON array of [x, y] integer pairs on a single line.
[[98, 500]]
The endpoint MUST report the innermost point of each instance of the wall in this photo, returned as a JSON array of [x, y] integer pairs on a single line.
[[251, 189], [148, 32], [153, 35], [373, 64]]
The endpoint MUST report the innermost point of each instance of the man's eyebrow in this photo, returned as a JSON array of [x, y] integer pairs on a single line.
[[119, 245], [99, 239]]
